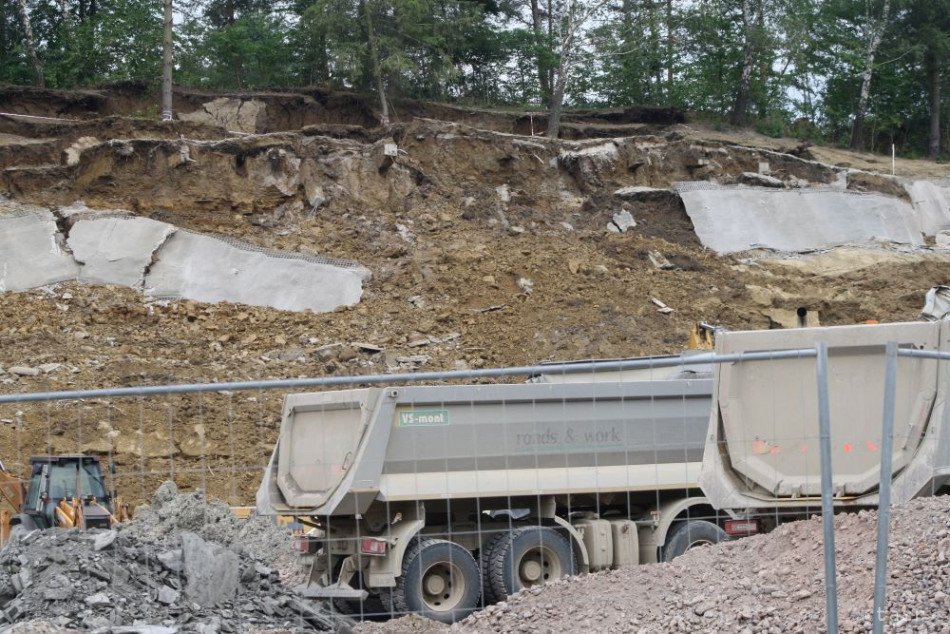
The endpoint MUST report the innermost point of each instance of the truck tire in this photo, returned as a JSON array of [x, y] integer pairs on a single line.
[[440, 580], [690, 534], [527, 557], [485, 559]]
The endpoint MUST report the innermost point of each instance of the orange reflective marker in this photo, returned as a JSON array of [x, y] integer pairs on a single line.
[[871, 445], [848, 447]]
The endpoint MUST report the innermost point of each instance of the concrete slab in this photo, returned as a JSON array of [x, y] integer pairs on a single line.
[[166, 262], [31, 251], [116, 250], [210, 269], [732, 219], [931, 201]]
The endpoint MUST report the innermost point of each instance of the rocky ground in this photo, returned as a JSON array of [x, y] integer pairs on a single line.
[[184, 564], [765, 583]]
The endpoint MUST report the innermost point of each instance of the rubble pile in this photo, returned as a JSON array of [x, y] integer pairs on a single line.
[[181, 566], [171, 512]]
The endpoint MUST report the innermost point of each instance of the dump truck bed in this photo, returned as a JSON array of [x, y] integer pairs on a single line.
[[763, 443], [339, 451]]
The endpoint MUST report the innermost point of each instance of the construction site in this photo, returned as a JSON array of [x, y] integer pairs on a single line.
[[290, 235]]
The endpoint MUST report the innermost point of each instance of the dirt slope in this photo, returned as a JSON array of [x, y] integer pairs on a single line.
[[487, 249]]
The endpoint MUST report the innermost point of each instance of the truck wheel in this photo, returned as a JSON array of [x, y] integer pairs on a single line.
[[527, 557], [440, 580], [690, 534]]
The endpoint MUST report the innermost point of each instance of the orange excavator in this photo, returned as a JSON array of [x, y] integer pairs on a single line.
[[62, 491]]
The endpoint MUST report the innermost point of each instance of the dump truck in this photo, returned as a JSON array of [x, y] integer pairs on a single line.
[[437, 499], [761, 459], [434, 499], [66, 491]]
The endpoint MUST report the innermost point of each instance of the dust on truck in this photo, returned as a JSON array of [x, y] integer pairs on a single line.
[[435, 499]]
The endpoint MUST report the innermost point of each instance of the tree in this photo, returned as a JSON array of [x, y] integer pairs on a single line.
[[30, 45], [875, 31], [748, 59], [575, 18], [167, 53]]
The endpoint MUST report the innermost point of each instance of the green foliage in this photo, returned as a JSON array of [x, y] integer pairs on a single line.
[[808, 55]]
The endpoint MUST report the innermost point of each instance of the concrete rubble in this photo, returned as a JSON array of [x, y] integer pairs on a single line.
[[165, 261], [734, 219], [183, 565]]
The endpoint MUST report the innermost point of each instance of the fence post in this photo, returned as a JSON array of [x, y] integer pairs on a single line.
[[827, 489], [884, 494]]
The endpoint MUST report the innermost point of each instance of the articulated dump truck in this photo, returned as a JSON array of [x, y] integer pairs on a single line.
[[439, 499]]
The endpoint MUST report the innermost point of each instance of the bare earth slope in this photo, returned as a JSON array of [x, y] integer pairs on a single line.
[[488, 247]]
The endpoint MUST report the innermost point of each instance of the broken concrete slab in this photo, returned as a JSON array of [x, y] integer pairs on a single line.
[[931, 201], [167, 262], [211, 269], [623, 221], [236, 115], [638, 192], [116, 250], [211, 571], [760, 180], [31, 250], [732, 219]]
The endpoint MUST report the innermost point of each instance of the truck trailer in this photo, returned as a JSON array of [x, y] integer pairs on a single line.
[[439, 499]]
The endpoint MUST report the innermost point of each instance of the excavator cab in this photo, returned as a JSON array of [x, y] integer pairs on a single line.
[[66, 491]]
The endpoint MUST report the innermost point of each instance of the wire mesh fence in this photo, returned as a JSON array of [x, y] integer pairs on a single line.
[[440, 492]]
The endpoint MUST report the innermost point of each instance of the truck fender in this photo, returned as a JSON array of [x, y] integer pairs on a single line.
[[653, 532], [384, 570], [578, 542]]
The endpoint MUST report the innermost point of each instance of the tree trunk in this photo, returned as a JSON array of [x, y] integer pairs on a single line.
[[30, 45], [229, 12], [544, 83], [742, 94], [557, 95], [64, 11], [933, 70], [374, 60], [167, 63], [656, 65], [560, 75], [877, 32], [669, 49], [764, 65], [550, 70]]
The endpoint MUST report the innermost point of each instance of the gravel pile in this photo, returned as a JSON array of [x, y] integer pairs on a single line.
[[180, 566], [760, 584], [765, 583]]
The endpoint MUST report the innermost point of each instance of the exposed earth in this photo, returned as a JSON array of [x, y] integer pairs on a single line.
[[487, 247]]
